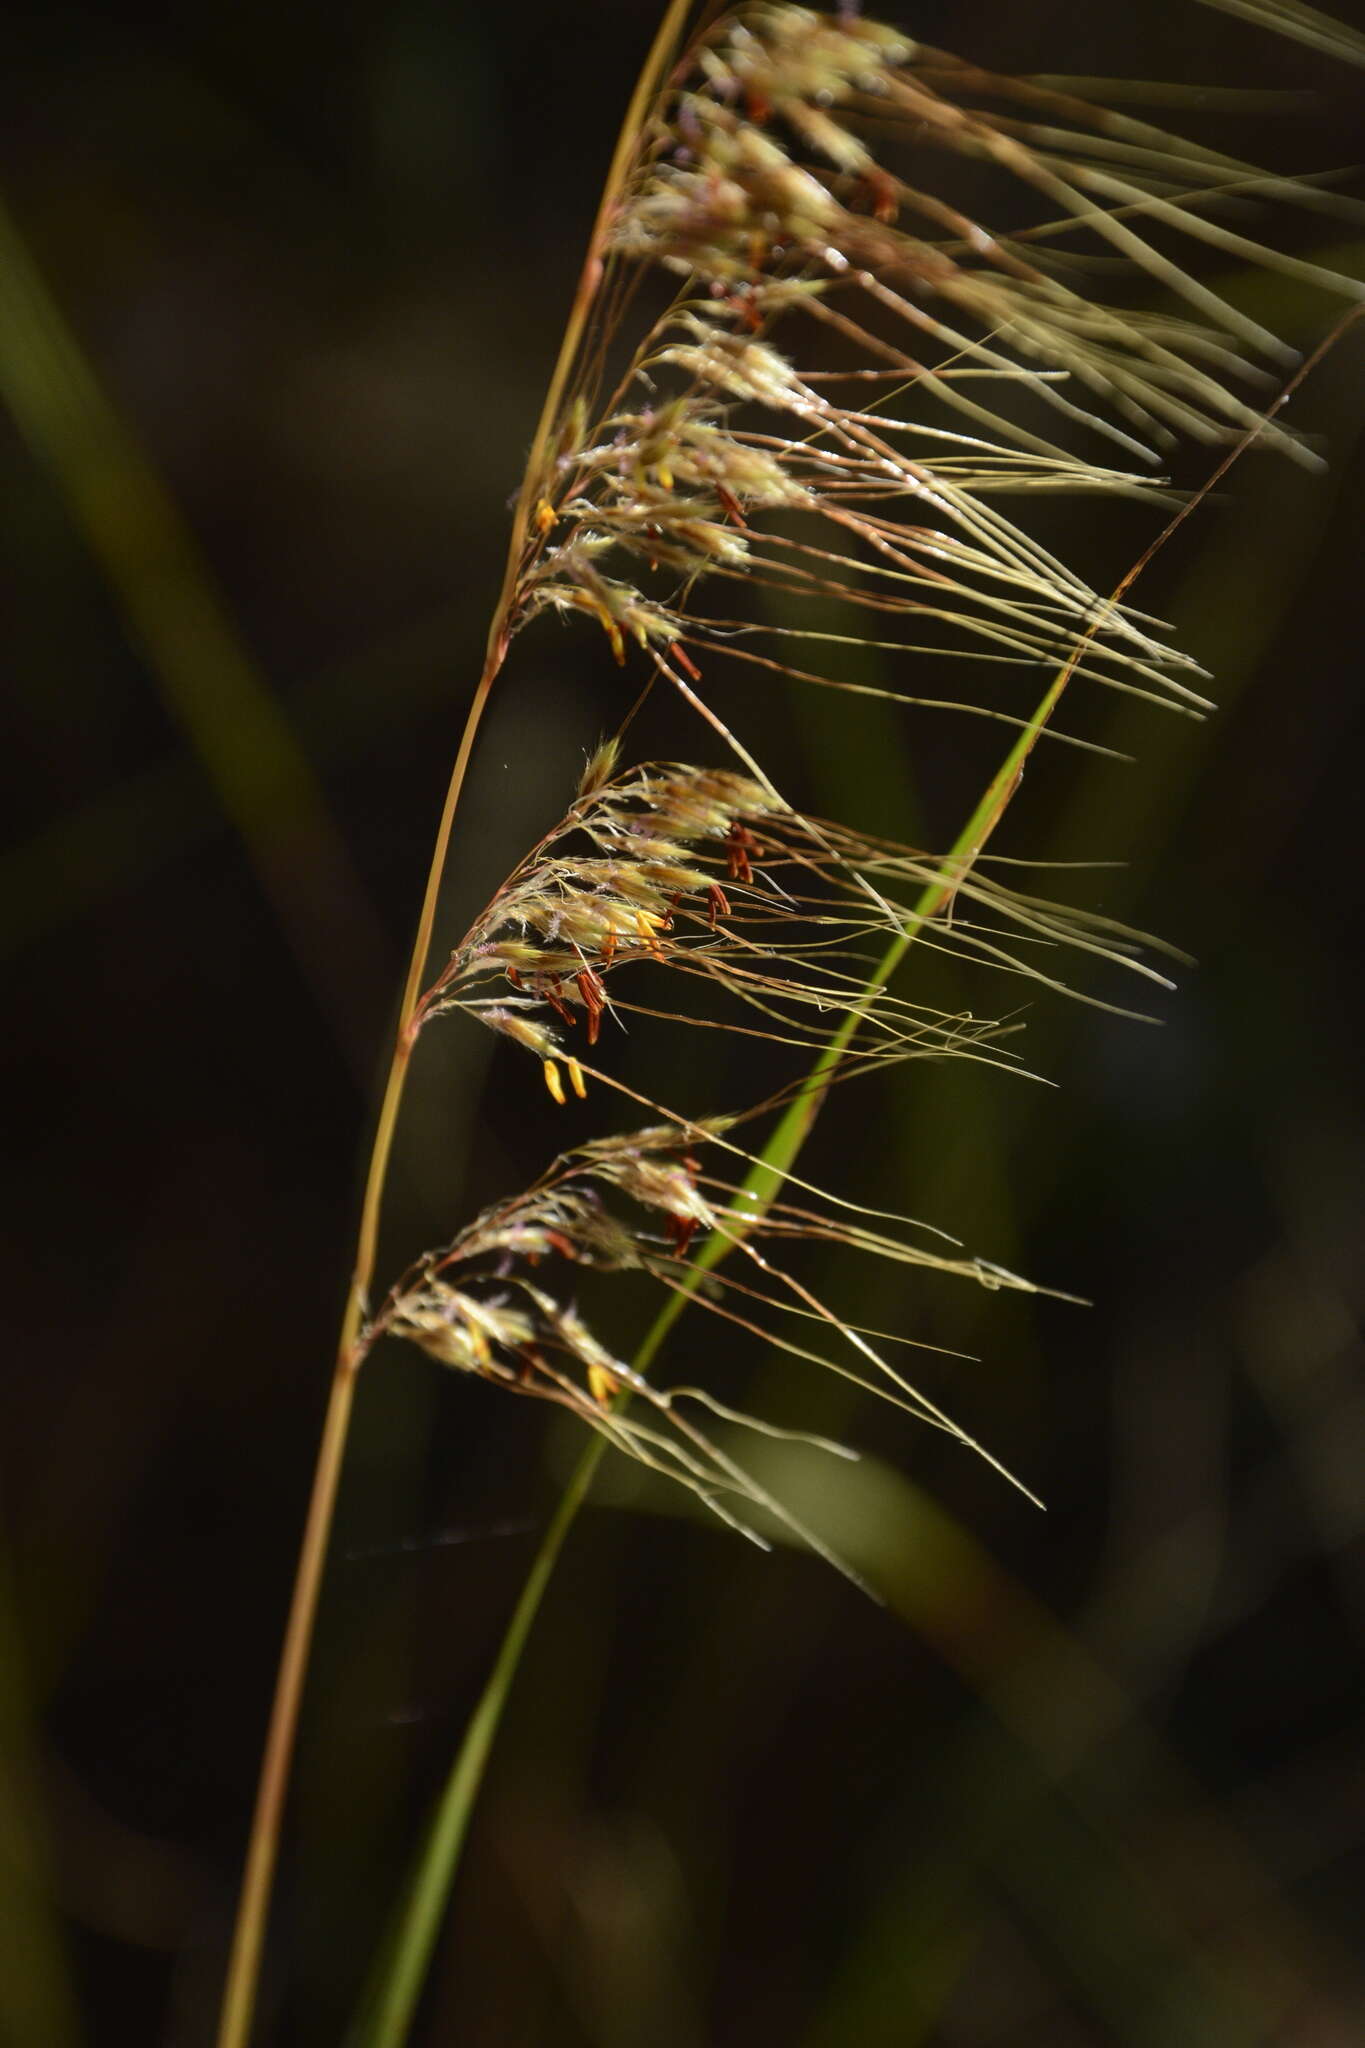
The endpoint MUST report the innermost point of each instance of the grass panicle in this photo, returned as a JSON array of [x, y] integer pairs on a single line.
[[706, 876], [485, 1304], [851, 307]]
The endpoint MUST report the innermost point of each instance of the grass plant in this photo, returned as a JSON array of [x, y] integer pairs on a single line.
[[807, 393]]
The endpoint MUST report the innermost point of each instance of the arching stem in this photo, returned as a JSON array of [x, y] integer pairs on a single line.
[[243, 1976]]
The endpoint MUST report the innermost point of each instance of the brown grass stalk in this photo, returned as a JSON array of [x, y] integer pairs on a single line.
[[244, 1965]]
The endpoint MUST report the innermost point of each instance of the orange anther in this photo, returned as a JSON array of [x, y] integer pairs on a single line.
[[593, 994], [884, 202], [682, 1229], [601, 1385], [743, 301], [739, 845], [556, 1001]]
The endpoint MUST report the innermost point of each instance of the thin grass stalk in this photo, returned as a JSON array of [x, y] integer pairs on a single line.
[[244, 1966], [388, 2007]]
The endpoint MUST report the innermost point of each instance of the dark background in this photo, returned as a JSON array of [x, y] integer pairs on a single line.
[[282, 287]]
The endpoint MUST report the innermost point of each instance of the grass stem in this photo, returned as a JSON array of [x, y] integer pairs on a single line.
[[244, 1965]]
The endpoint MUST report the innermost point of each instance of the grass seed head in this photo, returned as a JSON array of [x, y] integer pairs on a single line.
[[798, 418]]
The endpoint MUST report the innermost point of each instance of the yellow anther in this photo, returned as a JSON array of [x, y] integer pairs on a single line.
[[601, 1385], [649, 927], [553, 1082], [576, 1081], [665, 475], [545, 516], [609, 626]]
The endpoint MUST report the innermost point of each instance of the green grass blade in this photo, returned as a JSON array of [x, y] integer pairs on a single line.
[[387, 2009], [208, 682]]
